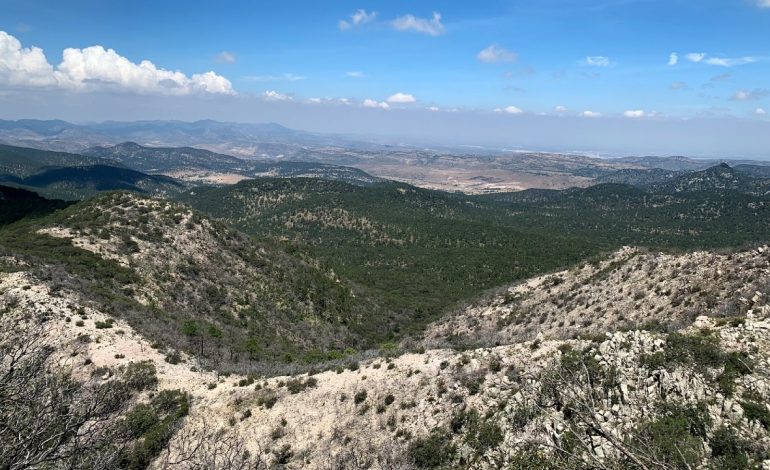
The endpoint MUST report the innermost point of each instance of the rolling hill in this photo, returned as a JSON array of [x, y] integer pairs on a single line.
[[421, 251], [193, 284]]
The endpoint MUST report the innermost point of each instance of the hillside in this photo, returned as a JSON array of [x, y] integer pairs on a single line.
[[417, 250], [636, 177], [22, 162], [73, 183], [166, 159], [16, 204], [190, 283], [718, 178], [421, 251], [629, 289], [199, 165], [691, 397]]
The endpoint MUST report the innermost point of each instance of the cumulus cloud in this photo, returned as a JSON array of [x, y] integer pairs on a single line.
[[225, 57], [432, 108], [634, 113], [355, 74], [21, 66], [401, 98], [431, 27], [370, 103], [272, 95], [509, 110], [97, 68], [673, 58], [360, 17], [560, 109], [760, 111], [495, 53], [597, 61], [752, 95], [591, 114]]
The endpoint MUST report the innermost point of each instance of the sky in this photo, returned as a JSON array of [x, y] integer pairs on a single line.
[[618, 76]]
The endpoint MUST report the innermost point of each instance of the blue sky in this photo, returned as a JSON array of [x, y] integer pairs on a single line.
[[588, 58]]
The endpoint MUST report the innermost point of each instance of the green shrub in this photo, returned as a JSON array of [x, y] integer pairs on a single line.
[[755, 411], [100, 325], [434, 451], [152, 426], [728, 451]]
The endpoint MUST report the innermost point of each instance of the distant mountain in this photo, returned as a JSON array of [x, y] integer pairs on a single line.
[[70, 176], [79, 182], [717, 178], [674, 163], [757, 171], [198, 164], [241, 138], [636, 177], [22, 161], [167, 159], [16, 203]]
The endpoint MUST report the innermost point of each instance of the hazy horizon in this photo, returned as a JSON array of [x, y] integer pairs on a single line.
[[620, 78]]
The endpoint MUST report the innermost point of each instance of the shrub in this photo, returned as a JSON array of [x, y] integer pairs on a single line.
[[434, 451], [100, 325], [728, 450], [755, 411], [152, 426], [359, 397], [267, 398], [173, 357], [676, 437]]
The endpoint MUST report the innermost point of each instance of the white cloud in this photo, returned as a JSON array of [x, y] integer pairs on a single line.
[[509, 110], [673, 58], [634, 113], [97, 68], [355, 74], [598, 61], [23, 66], [753, 95], [763, 3], [360, 17], [225, 57], [761, 111], [401, 98], [495, 53], [370, 103], [431, 27], [695, 56], [272, 95], [432, 108], [730, 62], [560, 109], [702, 57], [314, 100], [591, 114]]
